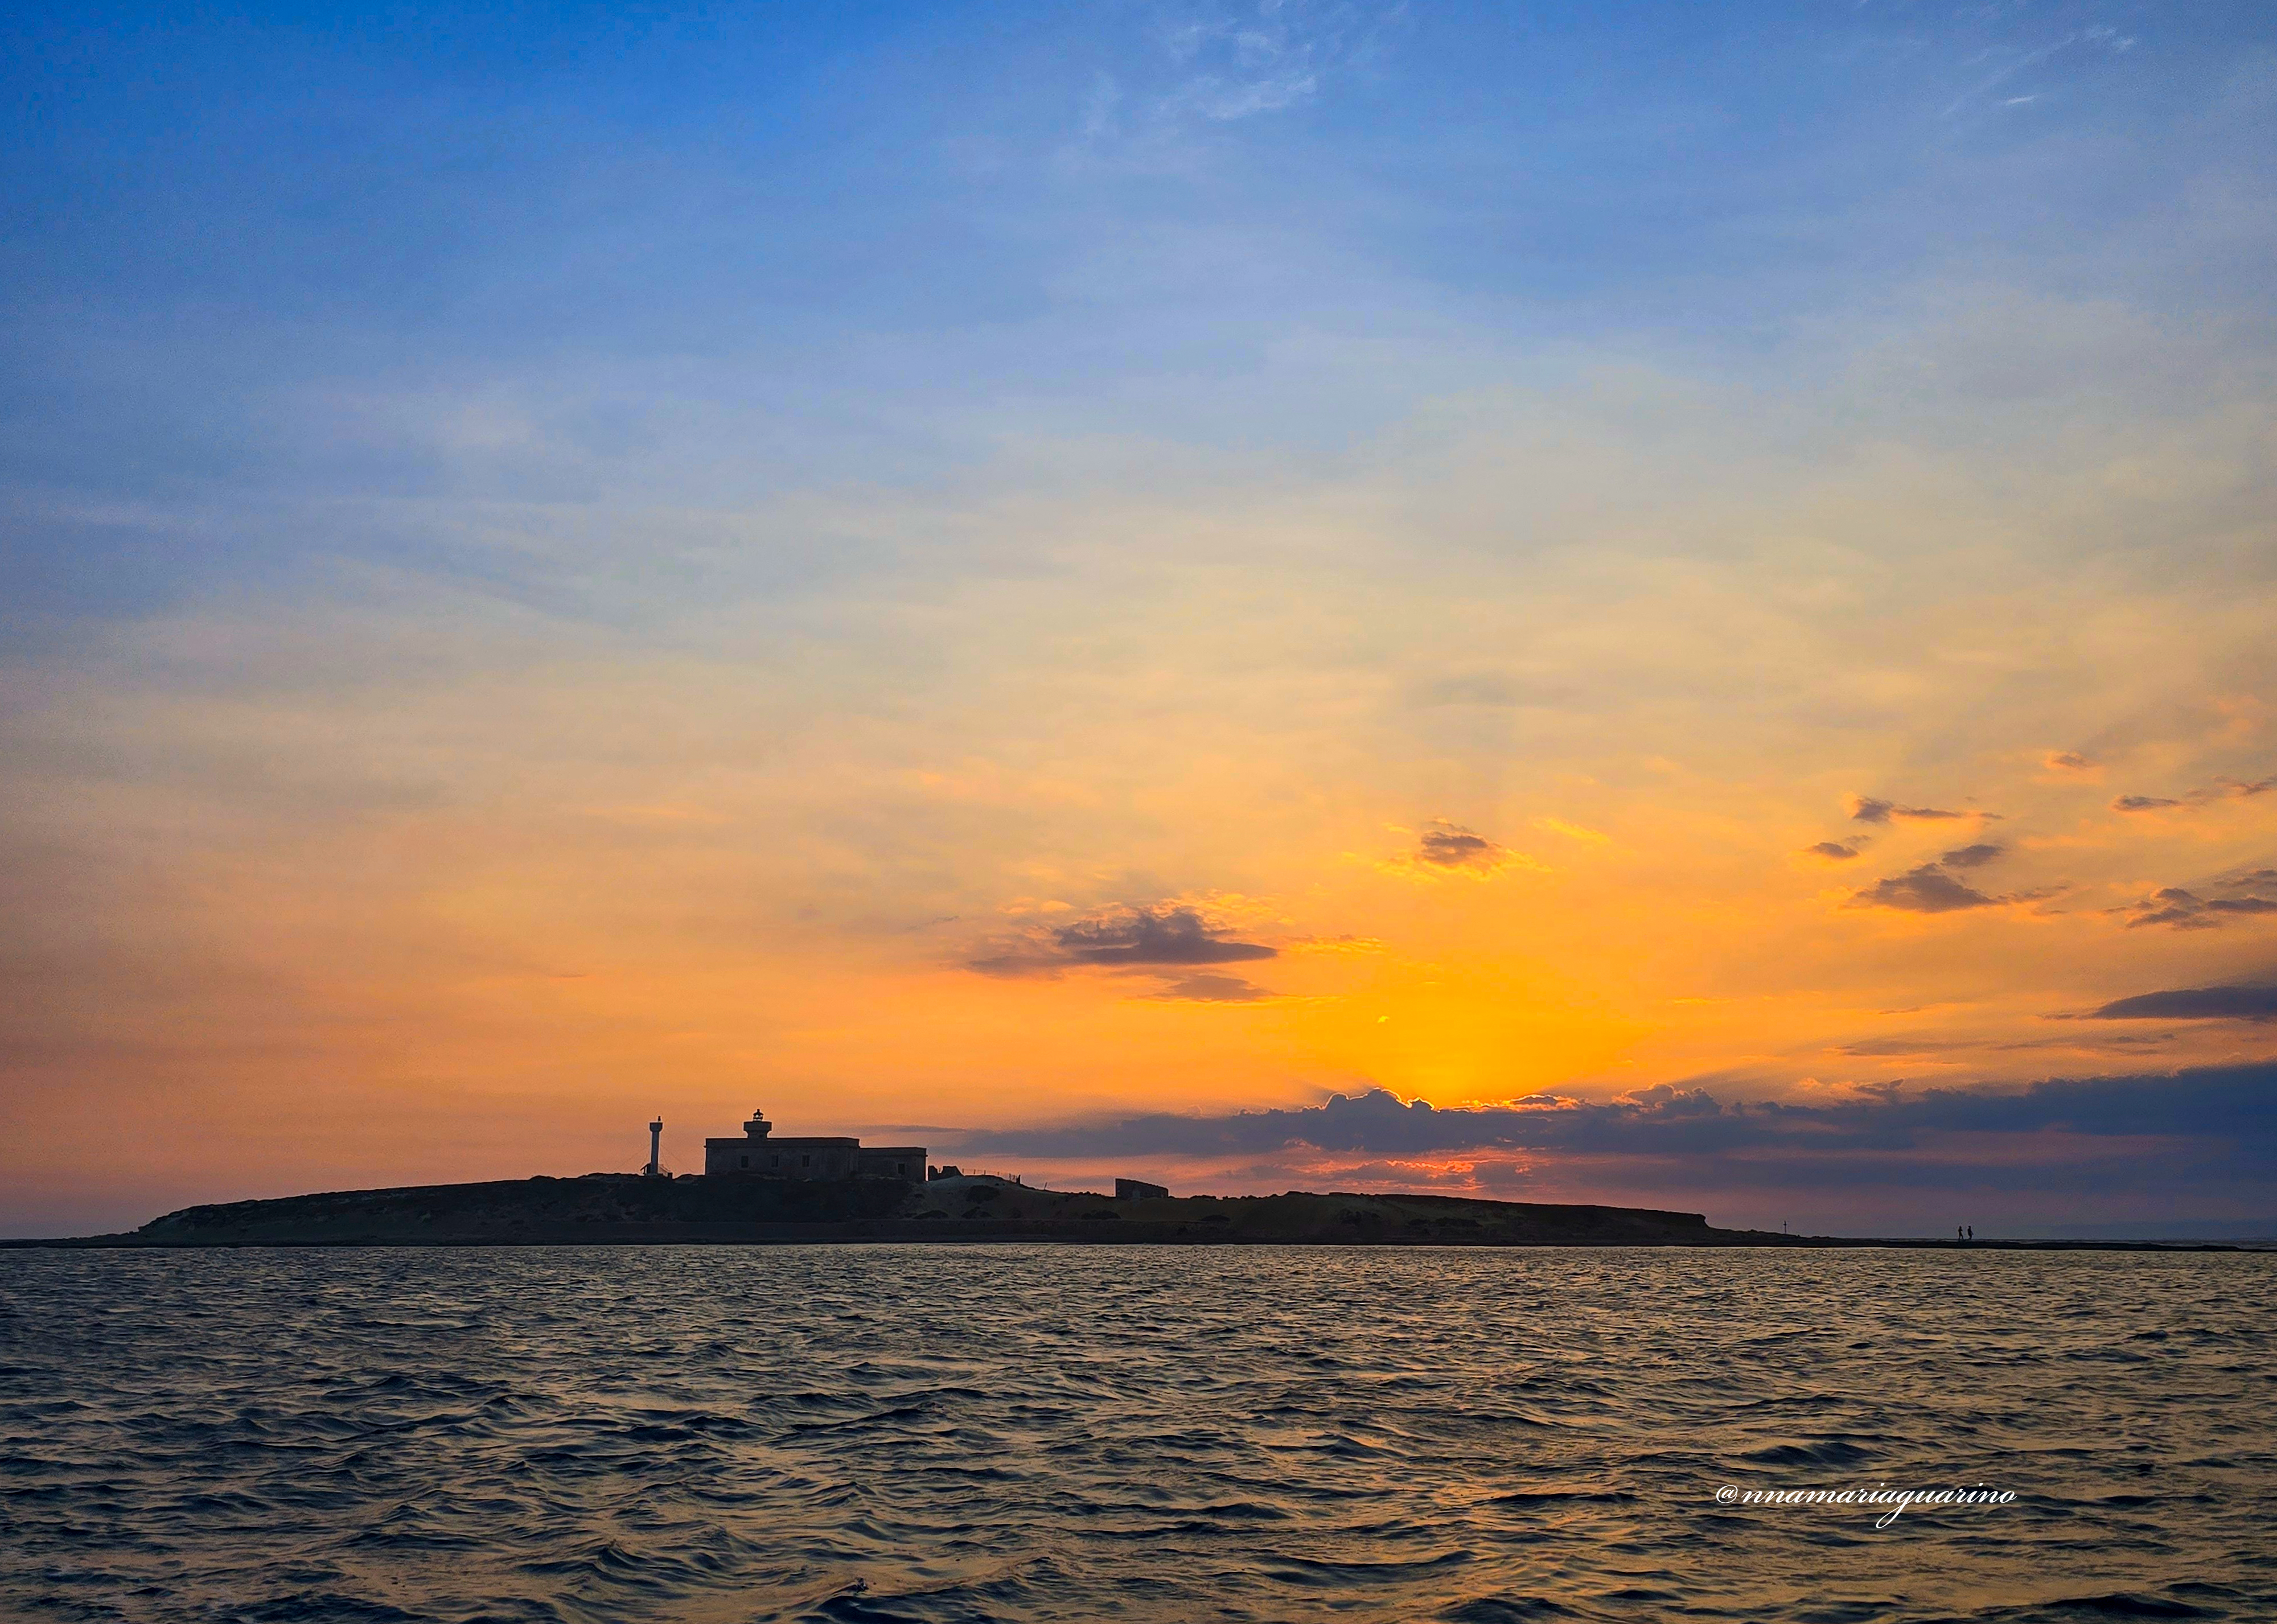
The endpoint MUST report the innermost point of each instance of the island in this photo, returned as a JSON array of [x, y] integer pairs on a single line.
[[760, 1188], [632, 1209], [620, 1209]]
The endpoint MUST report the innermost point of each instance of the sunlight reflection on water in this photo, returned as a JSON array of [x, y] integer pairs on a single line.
[[1030, 1432]]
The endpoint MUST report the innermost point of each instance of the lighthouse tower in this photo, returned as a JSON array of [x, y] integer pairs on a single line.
[[654, 1169]]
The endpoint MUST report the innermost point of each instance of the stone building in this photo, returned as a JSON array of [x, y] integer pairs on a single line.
[[758, 1154]]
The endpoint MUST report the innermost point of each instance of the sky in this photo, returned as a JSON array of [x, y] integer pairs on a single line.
[[1666, 604]]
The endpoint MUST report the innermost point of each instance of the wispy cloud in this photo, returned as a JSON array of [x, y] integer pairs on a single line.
[[1212, 990], [1227, 64], [2242, 1003], [1573, 831], [1998, 65], [1869, 809], [2223, 789], [1240, 61], [2181, 910]]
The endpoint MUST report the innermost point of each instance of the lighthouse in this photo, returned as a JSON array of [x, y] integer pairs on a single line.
[[654, 1169]]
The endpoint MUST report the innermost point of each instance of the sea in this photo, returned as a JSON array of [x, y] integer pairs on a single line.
[[974, 1432]]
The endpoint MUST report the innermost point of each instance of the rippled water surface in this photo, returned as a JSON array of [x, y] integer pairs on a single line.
[[1030, 1432]]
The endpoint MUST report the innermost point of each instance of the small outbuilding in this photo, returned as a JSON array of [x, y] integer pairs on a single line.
[[1136, 1190]]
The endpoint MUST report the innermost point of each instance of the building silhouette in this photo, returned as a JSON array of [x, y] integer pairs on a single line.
[[759, 1154]]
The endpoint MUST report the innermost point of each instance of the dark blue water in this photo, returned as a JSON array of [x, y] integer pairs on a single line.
[[1028, 1432]]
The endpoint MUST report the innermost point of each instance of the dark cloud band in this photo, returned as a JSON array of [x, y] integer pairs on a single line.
[[2247, 1003], [2237, 1104]]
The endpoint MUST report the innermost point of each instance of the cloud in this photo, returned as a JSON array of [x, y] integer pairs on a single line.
[[1346, 944], [1881, 1047], [1157, 935], [1247, 60], [1491, 689], [2182, 910], [1205, 989], [2070, 761], [1971, 856], [1926, 889], [1833, 851], [2244, 1003], [1129, 937], [1573, 831], [2237, 1103], [1866, 809], [2222, 789], [1447, 848]]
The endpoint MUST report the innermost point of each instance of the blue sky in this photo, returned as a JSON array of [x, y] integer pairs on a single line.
[[877, 238]]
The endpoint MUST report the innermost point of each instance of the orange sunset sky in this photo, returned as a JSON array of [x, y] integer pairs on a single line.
[[945, 612]]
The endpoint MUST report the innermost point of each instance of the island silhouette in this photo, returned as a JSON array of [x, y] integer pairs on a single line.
[[760, 1189]]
